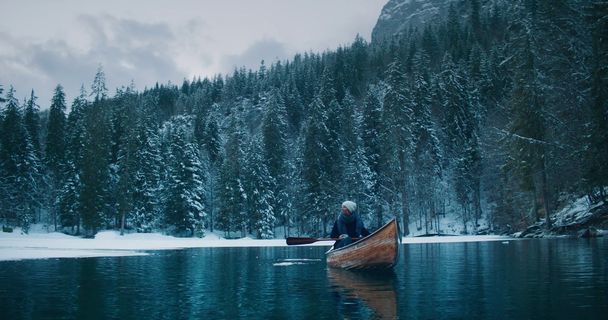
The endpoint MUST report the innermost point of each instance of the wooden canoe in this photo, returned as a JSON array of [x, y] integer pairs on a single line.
[[379, 250]]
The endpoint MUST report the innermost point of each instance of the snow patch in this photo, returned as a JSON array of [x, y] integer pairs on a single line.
[[44, 245]]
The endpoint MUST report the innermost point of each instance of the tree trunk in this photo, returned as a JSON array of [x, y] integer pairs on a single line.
[[540, 187], [477, 205], [465, 219], [536, 201], [378, 213], [545, 197], [54, 214], [437, 219], [122, 223], [405, 212], [211, 201]]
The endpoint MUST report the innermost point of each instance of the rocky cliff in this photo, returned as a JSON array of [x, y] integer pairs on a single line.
[[398, 16]]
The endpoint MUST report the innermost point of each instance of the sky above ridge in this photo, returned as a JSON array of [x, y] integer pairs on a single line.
[[45, 43]]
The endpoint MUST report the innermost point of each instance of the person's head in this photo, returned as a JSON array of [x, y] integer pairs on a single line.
[[348, 208]]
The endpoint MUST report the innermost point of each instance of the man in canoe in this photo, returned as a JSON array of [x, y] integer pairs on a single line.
[[348, 225]]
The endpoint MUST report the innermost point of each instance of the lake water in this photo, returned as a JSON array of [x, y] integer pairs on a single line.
[[525, 279]]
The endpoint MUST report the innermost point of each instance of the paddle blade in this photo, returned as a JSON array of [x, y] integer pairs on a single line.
[[295, 241]]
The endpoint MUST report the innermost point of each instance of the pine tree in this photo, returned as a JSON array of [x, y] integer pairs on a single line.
[[317, 154], [357, 176], [430, 45], [99, 91], [376, 160], [596, 175], [212, 141], [459, 107], [95, 169], [31, 120], [259, 186], [211, 144], [397, 119], [294, 107], [185, 205], [330, 155], [273, 133], [147, 195], [359, 62], [231, 215], [69, 199], [334, 159], [327, 89], [124, 152], [527, 130], [426, 151], [13, 147], [453, 41], [20, 170], [274, 143], [55, 151], [56, 133]]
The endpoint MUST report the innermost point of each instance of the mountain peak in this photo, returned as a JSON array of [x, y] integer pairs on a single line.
[[398, 16]]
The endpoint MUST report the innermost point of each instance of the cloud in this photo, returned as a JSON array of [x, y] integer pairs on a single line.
[[127, 49], [268, 50]]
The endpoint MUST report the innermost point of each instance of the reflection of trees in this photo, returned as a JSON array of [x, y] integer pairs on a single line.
[[90, 300], [375, 290]]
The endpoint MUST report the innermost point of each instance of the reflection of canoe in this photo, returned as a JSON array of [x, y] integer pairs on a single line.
[[377, 291], [376, 251]]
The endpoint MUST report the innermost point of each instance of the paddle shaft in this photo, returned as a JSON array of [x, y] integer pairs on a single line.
[[296, 241]]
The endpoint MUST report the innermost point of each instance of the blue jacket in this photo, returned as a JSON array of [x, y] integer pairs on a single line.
[[354, 229]]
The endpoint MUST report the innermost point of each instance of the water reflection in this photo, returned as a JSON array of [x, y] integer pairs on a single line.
[[374, 290], [547, 279]]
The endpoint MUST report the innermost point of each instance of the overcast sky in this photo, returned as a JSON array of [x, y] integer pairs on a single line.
[[43, 43]]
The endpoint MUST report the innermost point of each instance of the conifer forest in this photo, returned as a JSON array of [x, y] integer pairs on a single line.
[[496, 114]]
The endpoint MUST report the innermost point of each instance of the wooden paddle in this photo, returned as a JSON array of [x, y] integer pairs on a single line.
[[296, 241]]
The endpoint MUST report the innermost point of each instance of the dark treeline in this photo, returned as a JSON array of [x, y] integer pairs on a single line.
[[499, 117]]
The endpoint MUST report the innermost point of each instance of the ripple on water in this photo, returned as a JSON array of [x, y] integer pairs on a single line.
[[293, 262]]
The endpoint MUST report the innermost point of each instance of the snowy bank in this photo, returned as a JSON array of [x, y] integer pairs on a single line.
[[17, 246], [40, 245], [577, 219]]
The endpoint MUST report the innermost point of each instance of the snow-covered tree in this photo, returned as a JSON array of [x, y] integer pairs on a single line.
[[185, 185], [55, 150], [376, 160], [397, 119], [274, 141], [95, 170], [259, 186], [31, 120], [147, 198], [99, 91], [68, 201], [316, 175], [528, 128], [20, 168], [459, 105], [426, 152], [596, 175], [232, 197], [56, 132]]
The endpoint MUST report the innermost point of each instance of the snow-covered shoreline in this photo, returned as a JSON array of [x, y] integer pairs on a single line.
[[45, 245]]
